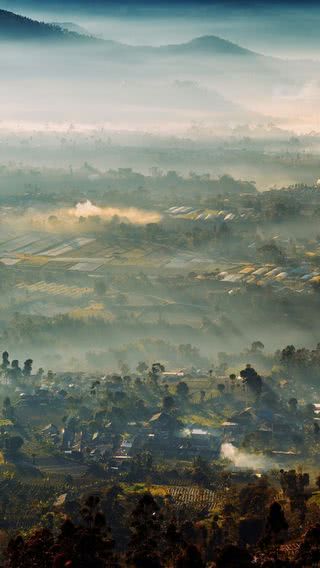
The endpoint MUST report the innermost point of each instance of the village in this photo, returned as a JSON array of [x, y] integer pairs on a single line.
[[155, 416]]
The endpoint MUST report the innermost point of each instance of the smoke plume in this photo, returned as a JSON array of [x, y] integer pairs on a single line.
[[243, 459], [130, 214]]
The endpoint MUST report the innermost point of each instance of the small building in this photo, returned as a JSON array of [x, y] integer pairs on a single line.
[[50, 430], [165, 423], [245, 417]]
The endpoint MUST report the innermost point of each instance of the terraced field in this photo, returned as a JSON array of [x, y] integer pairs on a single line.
[[54, 289], [195, 496]]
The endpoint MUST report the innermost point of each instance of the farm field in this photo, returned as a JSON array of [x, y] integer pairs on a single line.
[[84, 254], [199, 499], [54, 289]]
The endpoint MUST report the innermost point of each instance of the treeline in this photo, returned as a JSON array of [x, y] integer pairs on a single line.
[[152, 536]]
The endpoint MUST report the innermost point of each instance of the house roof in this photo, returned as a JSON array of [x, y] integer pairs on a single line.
[[155, 417], [50, 427], [60, 501]]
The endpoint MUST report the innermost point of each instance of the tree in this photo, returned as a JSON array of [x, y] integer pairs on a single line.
[[15, 371], [190, 558], [14, 443], [140, 409], [5, 361], [270, 252], [40, 373], [276, 522], [287, 354], [27, 368], [145, 527], [252, 380], [232, 378], [142, 367], [156, 370], [87, 545], [124, 368], [8, 410], [141, 464], [293, 404], [137, 383], [232, 556], [309, 550], [168, 403], [201, 473], [182, 390], [254, 498], [100, 287], [257, 346]]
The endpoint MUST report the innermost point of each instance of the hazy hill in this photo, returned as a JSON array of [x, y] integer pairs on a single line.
[[72, 27], [202, 79], [14, 27], [207, 45]]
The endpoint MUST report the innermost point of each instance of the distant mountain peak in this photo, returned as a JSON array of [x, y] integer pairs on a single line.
[[211, 44]]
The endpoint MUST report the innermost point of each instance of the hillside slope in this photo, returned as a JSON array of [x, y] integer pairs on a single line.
[[14, 27]]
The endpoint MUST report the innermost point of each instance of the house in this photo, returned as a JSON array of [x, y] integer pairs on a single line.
[[245, 417], [41, 397], [50, 430], [264, 434], [229, 427], [101, 453], [74, 453], [68, 437], [115, 385], [173, 375], [120, 463], [231, 431], [164, 423], [126, 447], [284, 458], [198, 442]]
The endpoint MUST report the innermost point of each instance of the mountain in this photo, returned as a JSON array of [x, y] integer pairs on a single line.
[[195, 80], [20, 28], [72, 27], [14, 27], [207, 45]]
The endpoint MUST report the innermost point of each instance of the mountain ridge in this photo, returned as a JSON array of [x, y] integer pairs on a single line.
[[210, 44], [21, 28], [17, 27]]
